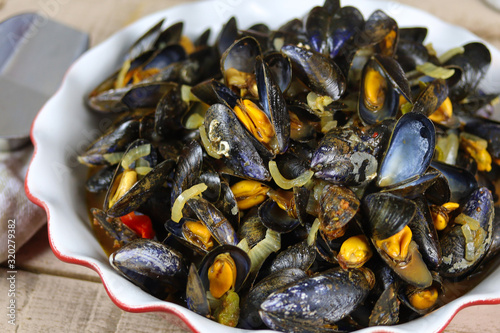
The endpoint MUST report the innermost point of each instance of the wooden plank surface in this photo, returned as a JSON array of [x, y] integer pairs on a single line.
[[53, 296]]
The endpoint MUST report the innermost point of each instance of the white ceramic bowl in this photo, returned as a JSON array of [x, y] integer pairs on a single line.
[[64, 128]]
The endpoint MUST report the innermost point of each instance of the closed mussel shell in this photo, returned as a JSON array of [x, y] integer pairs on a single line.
[[425, 235], [251, 228], [338, 205], [319, 73], [250, 305], [301, 255], [317, 300], [188, 169], [154, 267]]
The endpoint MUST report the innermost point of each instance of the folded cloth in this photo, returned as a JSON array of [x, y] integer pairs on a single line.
[[16, 211]]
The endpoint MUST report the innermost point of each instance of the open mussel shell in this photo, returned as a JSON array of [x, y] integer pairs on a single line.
[[275, 218], [375, 83], [460, 182], [241, 260], [196, 297], [488, 130], [228, 34], [319, 73], [410, 150], [143, 188], [229, 138], [414, 270], [154, 267], [146, 42], [274, 105], [415, 186], [281, 68], [177, 229], [431, 97], [387, 213], [474, 63], [240, 56], [407, 290], [479, 207], [381, 82], [218, 225], [382, 32]]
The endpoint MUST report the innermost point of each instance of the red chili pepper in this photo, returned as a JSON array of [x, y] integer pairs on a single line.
[[141, 224]]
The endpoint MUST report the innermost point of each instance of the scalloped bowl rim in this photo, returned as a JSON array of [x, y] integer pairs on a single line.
[[51, 182]]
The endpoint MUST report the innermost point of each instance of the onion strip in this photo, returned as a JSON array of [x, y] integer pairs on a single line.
[[134, 154], [181, 200], [259, 253], [207, 144], [287, 184]]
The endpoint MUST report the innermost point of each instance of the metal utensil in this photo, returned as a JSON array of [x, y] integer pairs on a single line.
[[35, 52]]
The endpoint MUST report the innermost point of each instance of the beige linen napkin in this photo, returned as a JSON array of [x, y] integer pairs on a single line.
[[16, 211]]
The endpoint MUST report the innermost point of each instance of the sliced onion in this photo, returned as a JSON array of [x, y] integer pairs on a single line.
[[143, 170], [120, 79], [311, 238], [181, 200], [243, 244], [449, 147], [287, 184], [259, 253], [450, 54], [113, 158], [207, 145], [467, 220], [469, 242], [134, 154], [434, 71], [194, 121]]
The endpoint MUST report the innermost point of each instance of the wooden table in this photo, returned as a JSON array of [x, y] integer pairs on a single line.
[[54, 296]]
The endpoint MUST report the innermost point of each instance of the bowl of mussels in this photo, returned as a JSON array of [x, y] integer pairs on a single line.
[[291, 166]]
